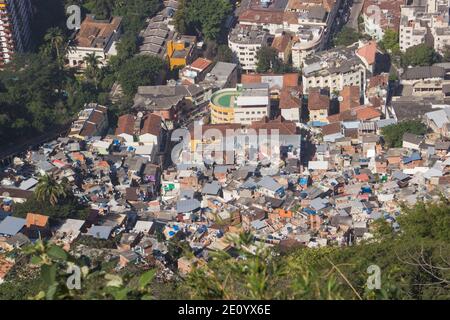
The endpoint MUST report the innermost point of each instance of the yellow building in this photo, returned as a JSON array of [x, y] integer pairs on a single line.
[[245, 104], [318, 106], [180, 52], [221, 105]]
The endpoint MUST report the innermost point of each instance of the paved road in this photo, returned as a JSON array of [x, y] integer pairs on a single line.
[[355, 11]]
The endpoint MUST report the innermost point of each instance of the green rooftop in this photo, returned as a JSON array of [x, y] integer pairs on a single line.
[[225, 98]]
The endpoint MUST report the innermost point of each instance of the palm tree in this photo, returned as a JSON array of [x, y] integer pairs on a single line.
[[48, 189], [92, 67], [56, 40]]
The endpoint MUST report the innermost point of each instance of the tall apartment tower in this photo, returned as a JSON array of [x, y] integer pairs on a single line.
[[15, 28]]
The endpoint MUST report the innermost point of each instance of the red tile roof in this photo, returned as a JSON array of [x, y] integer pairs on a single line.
[[331, 128], [350, 96], [289, 99], [375, 102], [38, 220], [289, 79], [367, 113], [361, 113], [201, 64], [368, 52], [317, 101], [222, 127], [347, 115], [95, 33], [125, 124], [379, 80], [304, 4], [280, 43], [251, 78], [283, 126], [389, 11], [152, 125], [363, 177]]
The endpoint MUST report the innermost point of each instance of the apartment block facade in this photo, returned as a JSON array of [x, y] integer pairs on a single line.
[[245, 41], [15, 28], [425, 22]]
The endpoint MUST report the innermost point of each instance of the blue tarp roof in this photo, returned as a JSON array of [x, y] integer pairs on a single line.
[[317, 123], [413, 157], [303, 180], [309, 211], [10, 226]]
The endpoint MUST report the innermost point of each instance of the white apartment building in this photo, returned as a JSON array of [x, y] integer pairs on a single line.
[[15, 28], [308, 40], [334, 69], [245, 41], [380, 15], [309, 21], [425, 21]]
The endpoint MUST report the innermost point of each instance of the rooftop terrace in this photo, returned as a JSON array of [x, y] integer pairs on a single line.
[[225, 98]]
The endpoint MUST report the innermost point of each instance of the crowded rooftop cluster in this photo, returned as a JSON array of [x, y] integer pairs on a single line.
[[215, 146]]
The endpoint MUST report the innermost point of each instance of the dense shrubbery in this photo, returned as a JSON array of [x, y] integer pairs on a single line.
[[268, 60], [393, 134], [419, 55], [205, 18], [37, 93]]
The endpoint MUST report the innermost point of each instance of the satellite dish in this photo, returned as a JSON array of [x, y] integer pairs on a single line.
[[140, 114], [340, 98]]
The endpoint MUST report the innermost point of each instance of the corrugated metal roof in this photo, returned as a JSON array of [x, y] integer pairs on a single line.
[[100, 232], [11, 225]]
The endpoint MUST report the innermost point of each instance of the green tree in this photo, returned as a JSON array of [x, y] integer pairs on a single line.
[[268, 60], [224, 54], [427, 220], [390, 42], [49, 189], [66, 208], [54, 262], [56, 41], [393, 134], [346, 37], [127, 46], [92, 62], [206, 17], [31, 96], [103, 8], [134, 13], [419, 55], [141, 70], [180, 18]]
